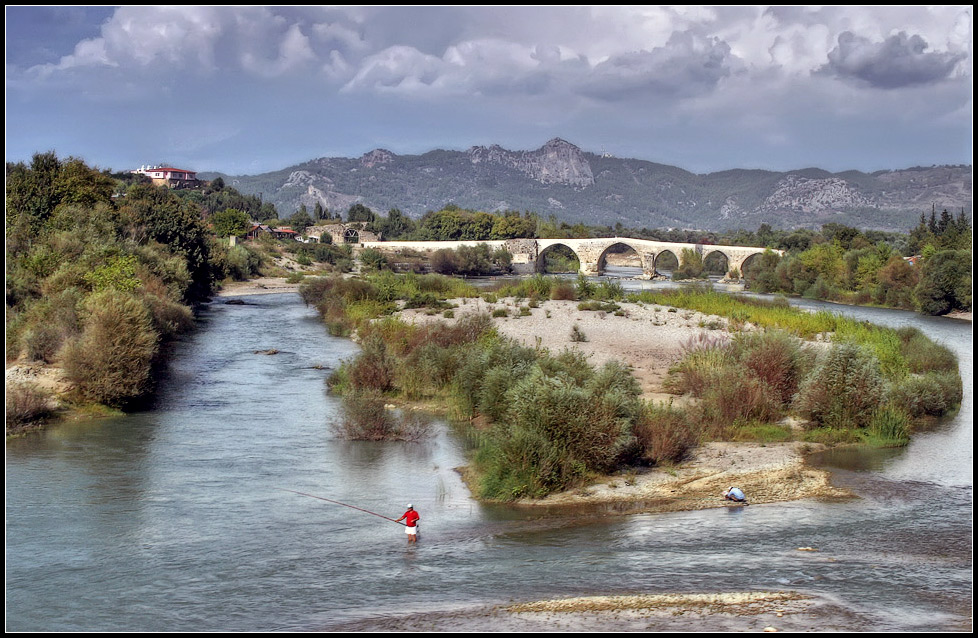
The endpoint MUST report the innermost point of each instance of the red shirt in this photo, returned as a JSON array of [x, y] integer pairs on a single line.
[[411, 518]]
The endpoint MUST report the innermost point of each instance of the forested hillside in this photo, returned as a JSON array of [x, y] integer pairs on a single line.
[[579, 187]]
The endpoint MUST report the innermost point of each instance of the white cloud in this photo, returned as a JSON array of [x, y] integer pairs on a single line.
[[641, 73]]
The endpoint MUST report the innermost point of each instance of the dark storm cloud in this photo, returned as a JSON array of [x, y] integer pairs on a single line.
[[687, 66], [899, 61]]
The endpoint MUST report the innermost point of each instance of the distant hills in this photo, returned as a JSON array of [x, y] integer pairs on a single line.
[[576, 186]]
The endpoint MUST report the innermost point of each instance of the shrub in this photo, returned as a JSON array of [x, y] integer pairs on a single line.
[[703, 359], [577, 335], [945, 282], [929, 394], [601, 306], [563, 290], [584, 288], [609, 290], [500, 312], [733, 399], [555, 433], [242, 263], [444, 261], [844, 390], [923, 355], [50, 323], [169, 318], [367, 418], [372, 369], [25, 404], [774, 357], [664, 434], [111, 362], [373, 259]]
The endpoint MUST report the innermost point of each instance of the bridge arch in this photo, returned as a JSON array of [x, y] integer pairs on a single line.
[[616, 248], [666, 259], [747, 262], [557, 248], [716, 261]]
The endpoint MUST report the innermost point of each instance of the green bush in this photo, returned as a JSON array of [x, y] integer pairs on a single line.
[[111, 361], [373, 368], [844, 390], [891, 425], [168, 317], [945, 282], [928, 394], [704, 358], [555, 433], [48, 324], [923, 355]]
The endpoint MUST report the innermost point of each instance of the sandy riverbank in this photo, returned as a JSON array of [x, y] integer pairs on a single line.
[[258, 286], [650, 339]]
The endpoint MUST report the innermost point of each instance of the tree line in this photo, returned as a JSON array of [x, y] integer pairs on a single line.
[[928, 269]]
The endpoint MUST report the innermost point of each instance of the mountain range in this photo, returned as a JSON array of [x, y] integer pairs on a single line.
[[561, 180]]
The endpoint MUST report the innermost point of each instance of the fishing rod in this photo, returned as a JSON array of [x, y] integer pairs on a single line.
[[344, 505]]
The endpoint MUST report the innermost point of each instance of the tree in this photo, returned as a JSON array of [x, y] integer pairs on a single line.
[[945, 282], [230, 222], [845, 235], [512, 226], [395, 225], [360, 213], [300, 220], [319, 213]]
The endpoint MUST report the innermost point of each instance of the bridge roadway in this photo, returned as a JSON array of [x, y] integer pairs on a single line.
[[591, 253]]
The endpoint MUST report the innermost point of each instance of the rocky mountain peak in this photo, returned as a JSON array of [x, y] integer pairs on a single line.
[[375, 157], [556, 162]]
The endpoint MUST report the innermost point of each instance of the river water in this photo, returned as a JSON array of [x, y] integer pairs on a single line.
[[177, 518]]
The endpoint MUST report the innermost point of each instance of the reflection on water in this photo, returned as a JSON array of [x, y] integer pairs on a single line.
[[175, 519]]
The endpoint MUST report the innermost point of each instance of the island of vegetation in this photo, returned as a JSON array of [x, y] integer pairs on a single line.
[[544, 421]]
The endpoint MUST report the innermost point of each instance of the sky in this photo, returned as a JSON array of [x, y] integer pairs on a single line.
[[251, 89]]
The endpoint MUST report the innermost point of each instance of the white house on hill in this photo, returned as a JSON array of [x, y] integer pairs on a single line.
[[169, 176]]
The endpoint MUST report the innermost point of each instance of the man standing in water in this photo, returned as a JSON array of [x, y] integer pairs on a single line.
[[410, 519]]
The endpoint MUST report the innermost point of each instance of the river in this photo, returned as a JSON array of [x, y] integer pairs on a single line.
[[177, 518]]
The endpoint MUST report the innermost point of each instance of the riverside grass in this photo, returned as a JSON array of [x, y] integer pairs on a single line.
[[484, 379]]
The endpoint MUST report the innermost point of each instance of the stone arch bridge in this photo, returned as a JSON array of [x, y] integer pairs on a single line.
[[591, 253]]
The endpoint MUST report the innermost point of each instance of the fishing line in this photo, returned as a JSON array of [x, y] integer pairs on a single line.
[[360, 509]]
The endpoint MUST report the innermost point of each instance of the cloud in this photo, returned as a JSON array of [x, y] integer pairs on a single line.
[[601, 76], [899, 61], [687, 66]]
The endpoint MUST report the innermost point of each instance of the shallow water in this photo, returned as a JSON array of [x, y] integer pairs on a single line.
[[175, 519]]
